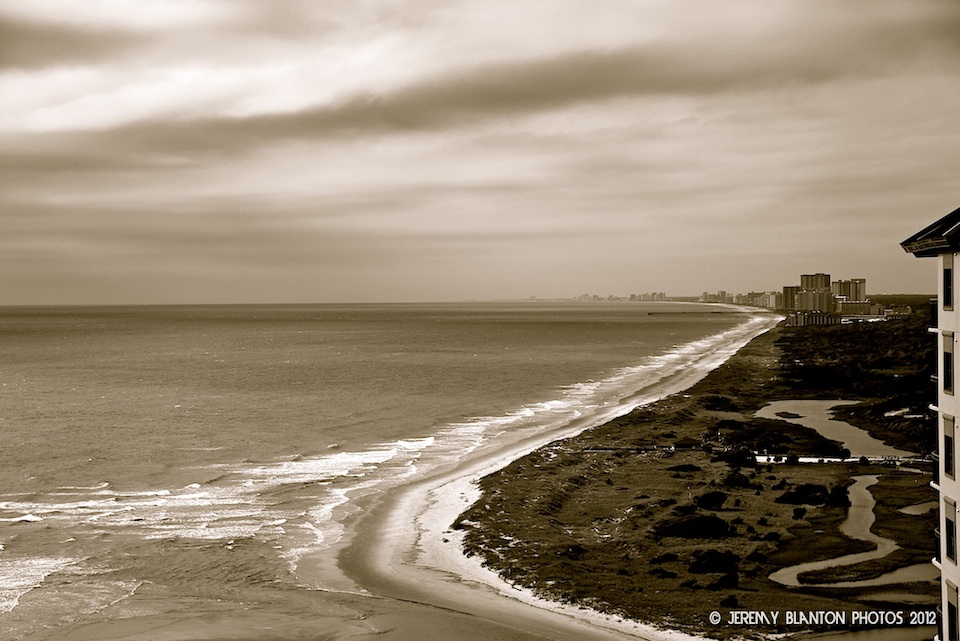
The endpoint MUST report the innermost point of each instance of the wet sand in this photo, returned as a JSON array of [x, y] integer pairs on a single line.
[[406, 551], [317, 617]]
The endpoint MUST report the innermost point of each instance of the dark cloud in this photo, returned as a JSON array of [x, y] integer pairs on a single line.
[[32, 45], [467, 96], [165, 236], [463, 97], [231, 232], [30, 162], [225, 254]]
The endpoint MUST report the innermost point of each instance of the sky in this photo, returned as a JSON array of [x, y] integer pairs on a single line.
[[252, 151]]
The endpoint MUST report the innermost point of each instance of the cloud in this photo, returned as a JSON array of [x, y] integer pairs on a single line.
[[755, 133], [31, 45], [469, 95]]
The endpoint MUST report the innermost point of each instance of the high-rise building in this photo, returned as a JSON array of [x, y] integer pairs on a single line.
[[790, 297], [816, 300], [858, 288], [941, 240], [854, 290], [815, 281]]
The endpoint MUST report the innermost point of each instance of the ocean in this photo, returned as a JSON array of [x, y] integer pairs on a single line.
[[196, 454]]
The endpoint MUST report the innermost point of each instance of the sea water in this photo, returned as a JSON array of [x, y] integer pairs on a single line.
[[204, 451]]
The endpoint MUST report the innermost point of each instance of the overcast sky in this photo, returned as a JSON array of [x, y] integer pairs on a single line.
[[168, 151]]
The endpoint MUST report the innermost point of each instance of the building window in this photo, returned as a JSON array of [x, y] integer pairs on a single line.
[[949, 428], [950, 530], [948, 362], [951, 612], [948, 281]]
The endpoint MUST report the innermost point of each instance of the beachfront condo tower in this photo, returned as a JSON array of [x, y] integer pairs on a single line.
[[941, 240]]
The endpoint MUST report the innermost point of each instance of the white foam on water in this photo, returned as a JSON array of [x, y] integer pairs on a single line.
[[19, 575], [76, 592], [98, 486], [26, 518]]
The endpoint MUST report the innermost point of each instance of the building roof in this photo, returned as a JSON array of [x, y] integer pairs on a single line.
[[941, 237]]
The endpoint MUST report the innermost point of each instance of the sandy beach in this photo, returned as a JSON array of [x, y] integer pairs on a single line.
[[405, 547]]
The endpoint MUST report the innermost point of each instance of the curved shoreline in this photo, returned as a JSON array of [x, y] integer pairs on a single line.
[[402, 546]]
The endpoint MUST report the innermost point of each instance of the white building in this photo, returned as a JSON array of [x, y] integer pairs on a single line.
[[941, 240]]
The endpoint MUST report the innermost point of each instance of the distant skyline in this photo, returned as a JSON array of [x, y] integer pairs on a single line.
[[192, 151]]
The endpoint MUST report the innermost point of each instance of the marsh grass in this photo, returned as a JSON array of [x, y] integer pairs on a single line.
[[615, 520]]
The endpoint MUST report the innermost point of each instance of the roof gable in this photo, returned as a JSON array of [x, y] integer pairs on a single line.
[[941, 237]]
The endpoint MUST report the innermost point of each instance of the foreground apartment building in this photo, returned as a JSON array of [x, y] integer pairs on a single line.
[[941, 240]]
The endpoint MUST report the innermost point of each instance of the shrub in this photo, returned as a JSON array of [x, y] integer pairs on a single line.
[[711, 500], [695, 527], [666, 557], [805, 494], [685, 467], [714, 562], [736, 479]]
